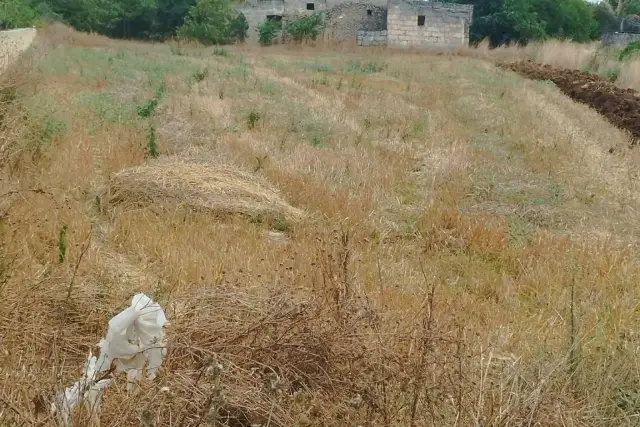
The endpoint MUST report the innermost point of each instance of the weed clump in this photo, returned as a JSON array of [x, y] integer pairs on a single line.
[[151, 149], [268, 31], [629, 50], [199, 76], [252, 119], [365, 67], [145, 111]]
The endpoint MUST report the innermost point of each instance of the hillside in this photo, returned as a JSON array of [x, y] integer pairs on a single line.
[[369, 238]]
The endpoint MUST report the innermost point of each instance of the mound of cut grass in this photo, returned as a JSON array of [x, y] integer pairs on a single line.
[[202, 185]]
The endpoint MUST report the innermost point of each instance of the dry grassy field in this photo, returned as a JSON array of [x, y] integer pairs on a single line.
[[359, 238]]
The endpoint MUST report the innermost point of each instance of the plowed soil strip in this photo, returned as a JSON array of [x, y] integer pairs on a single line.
[[620, 106]]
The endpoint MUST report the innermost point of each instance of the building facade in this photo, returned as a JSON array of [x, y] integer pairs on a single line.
[[394, 23], [414, 23]]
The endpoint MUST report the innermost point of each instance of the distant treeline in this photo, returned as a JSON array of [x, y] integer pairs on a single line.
[[508, 21], [499, 21]]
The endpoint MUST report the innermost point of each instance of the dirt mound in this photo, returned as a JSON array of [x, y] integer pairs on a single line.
[[620, 106], [206, 185]]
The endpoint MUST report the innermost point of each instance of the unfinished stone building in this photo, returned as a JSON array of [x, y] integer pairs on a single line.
[[414, 23], [393, 23]]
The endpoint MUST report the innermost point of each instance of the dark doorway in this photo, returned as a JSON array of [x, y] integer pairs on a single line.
[[420, 20], [369, 12]]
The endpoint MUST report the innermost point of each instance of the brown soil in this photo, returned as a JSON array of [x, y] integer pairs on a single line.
[[620, 106]]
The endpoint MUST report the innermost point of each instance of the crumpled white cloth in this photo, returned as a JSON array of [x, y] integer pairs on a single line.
[[135, 338], [85, 390]]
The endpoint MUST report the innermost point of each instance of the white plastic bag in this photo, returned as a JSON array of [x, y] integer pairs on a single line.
[[85, 390], [135, 338]]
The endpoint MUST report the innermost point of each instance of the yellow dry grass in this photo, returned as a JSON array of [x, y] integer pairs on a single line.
[[468, 254], [592, 57]]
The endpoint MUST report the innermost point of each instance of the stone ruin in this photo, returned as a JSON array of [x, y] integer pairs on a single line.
[[393, 23]]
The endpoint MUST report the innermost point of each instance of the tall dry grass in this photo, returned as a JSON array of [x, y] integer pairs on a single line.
[[590, 57], [469, 257]]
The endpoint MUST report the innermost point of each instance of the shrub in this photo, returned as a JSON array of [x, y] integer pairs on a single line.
[[305, 28], [268, 31], [238, 28], [208, 21], [253, 119], [629, 50]]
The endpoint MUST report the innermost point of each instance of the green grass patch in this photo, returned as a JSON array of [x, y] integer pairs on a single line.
[[109, 107], [321, 68], [359, 67]]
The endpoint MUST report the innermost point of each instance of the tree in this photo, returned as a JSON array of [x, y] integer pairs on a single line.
[[617, 15], [100, 16], [16, 14], [208, 21], [504, 21], [169, 17], [573, 19], [239, 28], [521, 21]]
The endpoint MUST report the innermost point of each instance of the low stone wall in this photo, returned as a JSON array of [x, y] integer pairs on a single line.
[[13, 43], [372, 38], [619, 39]]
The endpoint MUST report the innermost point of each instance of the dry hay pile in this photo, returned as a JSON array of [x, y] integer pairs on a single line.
[[202, 185]]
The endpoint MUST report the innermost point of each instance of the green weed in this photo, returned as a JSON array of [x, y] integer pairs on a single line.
[[629, 50], [365, 67], [253, 119], [147, 110], [199, 76], [62, 244], [151, 149]]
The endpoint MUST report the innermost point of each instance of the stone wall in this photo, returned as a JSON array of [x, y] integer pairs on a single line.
[[619, 39], [345, 20], [372, 38], [427, 24], [257, 11]]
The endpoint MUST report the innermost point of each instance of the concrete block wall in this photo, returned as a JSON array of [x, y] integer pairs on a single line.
[[372, 38], [446, 25]]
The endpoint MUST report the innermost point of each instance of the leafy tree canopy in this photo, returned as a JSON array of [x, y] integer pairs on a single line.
[[208, 21], [506, 21]]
